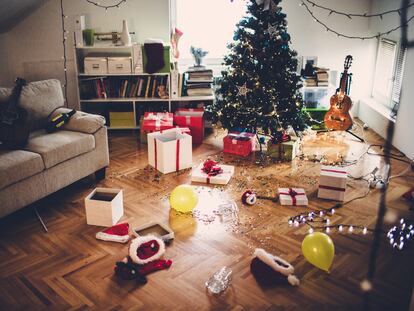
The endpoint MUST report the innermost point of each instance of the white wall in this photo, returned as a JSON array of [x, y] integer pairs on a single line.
[[311, 39], [34, 46], [368, 110]]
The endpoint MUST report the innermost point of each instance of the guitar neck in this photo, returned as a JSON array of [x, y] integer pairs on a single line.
[[344, 78]]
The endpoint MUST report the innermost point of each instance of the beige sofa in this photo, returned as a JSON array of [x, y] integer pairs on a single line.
[[50, 162]]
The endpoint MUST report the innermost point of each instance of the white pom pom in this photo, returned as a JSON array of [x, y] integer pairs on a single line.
[[366, 285], [293, 280]]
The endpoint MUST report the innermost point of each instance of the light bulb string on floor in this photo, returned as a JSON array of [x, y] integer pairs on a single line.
[[328, 29], [365, 15], [106, 7]]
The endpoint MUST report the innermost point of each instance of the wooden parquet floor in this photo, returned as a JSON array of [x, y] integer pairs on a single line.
[[68, 269]]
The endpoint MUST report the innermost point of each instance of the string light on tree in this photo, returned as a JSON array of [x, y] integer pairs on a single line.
[[242, 90]]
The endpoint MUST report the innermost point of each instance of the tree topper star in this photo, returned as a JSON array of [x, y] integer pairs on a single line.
[[242, 90]]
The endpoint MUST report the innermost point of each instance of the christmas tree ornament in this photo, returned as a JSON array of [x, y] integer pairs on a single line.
[[118, 233], [270, 270], [319, 250], [249, 197], [272, 31], [183, 199], [242, 90], [143, 258]]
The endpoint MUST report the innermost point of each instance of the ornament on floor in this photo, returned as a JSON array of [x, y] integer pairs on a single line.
[[270, 270], [220, 281], [319, 250], [118, 233], [400, 235], [143, 258], [249, 197], [183, 199]]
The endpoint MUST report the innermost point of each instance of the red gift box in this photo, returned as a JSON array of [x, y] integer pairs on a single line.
[[157, 121], [193, 119], [239, 143]]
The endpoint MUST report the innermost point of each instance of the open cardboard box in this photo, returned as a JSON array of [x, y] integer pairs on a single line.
[[104, 207]]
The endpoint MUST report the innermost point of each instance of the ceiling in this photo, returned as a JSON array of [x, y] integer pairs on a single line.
[[13, 11]]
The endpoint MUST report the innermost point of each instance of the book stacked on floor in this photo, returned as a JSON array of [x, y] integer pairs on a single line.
[[115, 87], [199, 82], [322, 76]]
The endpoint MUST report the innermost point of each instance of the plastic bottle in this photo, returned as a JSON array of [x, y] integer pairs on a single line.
[[219, 281]]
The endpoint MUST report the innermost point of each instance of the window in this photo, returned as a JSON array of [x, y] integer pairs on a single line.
[[389, 71], [207, 24]]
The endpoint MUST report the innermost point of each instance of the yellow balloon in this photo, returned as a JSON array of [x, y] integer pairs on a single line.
[[183, 199], [319, 250]]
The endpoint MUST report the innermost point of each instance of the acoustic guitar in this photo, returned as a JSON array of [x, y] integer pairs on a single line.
[[14, 130], [338, 118]]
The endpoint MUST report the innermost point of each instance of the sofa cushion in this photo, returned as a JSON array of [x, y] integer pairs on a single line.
[[59, 146], [16, 165], [39, 99]]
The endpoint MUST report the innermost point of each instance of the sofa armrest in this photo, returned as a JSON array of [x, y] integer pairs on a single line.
[[81, 121]]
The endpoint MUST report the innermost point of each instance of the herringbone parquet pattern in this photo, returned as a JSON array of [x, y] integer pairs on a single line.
[[68, 269]]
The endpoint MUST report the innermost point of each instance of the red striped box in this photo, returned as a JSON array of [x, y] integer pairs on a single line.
[[332, 183]]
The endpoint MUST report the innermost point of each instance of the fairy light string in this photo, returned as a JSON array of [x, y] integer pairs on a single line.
[[106, 7], [329, 29], [64, 38], [365, 15]]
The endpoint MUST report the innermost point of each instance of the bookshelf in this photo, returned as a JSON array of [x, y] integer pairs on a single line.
[[88, 89]]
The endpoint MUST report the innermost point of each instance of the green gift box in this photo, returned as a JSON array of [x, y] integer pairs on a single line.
[[285, 151]]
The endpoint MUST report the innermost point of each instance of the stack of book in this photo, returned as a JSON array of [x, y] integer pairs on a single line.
[[322, 75], [310, 81], [199, 82], [115, 87]]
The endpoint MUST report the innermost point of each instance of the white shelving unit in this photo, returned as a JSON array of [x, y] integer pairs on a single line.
[[112, 50]]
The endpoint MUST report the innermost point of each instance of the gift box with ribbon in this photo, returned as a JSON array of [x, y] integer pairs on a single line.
[[170, 151], [147, 121], [284, 148], [193, 119], [157, 121], [292, 196], [211, 172], [332, 183], [241, 144]]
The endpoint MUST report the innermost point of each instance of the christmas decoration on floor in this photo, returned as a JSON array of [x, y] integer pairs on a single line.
[[259, 91], [118, 233], [220, 281], [319, 250], [143, 258], [399, 236], [270, 270], [249, 197], [211, 172]]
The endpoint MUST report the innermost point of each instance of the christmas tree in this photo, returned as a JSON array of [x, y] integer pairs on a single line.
[[259, 90]]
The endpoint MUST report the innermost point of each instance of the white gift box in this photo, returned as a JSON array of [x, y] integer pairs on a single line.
[[104, 207], [292, 196], [198, 175], [170, 151], [332, 183]]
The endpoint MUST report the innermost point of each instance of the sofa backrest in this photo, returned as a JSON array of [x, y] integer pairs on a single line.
[[39, 99]]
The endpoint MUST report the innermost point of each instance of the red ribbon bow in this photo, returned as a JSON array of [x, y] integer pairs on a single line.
[[211, 168]]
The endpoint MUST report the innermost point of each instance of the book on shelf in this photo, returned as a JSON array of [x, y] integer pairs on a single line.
[[121, 87]]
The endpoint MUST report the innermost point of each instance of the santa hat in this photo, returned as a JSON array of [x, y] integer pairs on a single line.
[[145, 249], [118, 233], [270, 270]]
